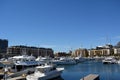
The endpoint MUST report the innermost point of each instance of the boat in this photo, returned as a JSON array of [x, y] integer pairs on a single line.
[[118, 61], [98, 58], [80, 59], [45, 72], [43, 59], [25, 61], [109, 60], [64, 61]]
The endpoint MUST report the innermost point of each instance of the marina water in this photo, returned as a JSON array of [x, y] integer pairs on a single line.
[[78, 71]]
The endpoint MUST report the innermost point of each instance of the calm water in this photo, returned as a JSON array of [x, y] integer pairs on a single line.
[[106, 71], [78, 71]]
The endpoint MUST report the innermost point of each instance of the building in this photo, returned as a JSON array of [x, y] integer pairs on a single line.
[[101, 51], [80, 52], [116, 50], [35, 51], [3, 45]]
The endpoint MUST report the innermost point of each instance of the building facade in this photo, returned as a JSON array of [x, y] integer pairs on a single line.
[[80, 52], [101, 51], [116, 50], [3, 45], [35, 51]]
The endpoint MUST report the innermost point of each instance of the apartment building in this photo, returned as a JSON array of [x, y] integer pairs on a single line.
[[35, 51]]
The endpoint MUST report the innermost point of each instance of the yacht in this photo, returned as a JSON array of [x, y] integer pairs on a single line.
[[45, 72], [63, 61], [80, 59], [43, 59], [97, 58], [25, 61], [109, 60], [118, 61]]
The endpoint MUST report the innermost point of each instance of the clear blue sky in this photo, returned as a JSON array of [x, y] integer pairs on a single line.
[[60, 24]]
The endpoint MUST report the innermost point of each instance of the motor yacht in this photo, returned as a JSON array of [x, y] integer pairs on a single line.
[[25, 61], [80, 59], [109, 60], [45, 72], [64, 61]]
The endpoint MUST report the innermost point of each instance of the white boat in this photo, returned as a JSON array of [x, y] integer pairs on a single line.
[[65, 61], [109, 60], [45, 72], [97, 58], [118, 61], [80, 59], [43, 59], [25, 61]]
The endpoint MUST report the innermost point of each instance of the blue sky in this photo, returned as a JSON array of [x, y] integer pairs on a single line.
[[60, 24]]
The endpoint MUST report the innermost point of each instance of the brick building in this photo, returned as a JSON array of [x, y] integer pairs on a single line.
[[80, 52], [35, 51]]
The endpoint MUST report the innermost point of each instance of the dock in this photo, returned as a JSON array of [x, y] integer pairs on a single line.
[[91, 77], [18, 78], [21, 75]]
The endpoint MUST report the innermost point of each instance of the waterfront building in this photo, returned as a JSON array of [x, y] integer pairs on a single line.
[[35, 51], [101, 51], [3, 45], [80, 52], [116, 50]]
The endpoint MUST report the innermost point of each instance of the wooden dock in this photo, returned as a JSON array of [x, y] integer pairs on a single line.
[[91, 77], [18, 78]]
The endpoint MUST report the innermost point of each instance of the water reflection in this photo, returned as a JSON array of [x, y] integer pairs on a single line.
[[106, 71], [93, 67]]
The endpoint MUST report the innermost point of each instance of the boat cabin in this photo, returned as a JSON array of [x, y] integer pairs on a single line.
[[45, 68]]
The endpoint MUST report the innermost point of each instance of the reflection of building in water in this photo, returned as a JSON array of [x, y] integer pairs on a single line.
[[35, 51]]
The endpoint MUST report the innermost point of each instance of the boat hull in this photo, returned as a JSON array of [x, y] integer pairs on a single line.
[[46, 77], [51, 76], [64, 62], [109, 62]]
